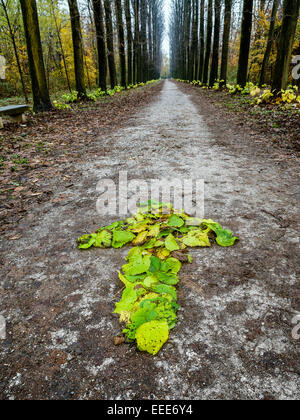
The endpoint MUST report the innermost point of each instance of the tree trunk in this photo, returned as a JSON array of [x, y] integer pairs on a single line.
[[110, 44], [129, 41], [226, 37], [269, 43], [77, 48], [287, 36], [41, 98], [101, 47], [194, 45], [121, 38], [136, 58], [245, 43], [215, 58], [201, 40], [208, 41], [143, 40]]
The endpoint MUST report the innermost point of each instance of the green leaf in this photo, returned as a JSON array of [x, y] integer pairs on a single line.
[[164, 288], [196, 238], [167, 278], [155, 264], [121, 238], [151, 336], [171, 264], [175, 221], [129, 298], [171, 243], [224, 236], [86, 241], [103, 239]]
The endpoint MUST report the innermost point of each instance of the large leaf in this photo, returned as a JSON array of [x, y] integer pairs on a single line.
[[196, 238], [171, 243], [175, 221], [151, 336], [224, 236], [121, 238]]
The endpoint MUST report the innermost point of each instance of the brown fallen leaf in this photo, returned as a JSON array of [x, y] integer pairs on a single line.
[[119, 340], [15, 238]]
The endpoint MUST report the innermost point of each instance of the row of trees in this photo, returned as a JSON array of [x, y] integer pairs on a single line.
[[256, 37], [115, 41]]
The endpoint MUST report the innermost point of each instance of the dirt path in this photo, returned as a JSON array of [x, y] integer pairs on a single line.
[[234, 338]]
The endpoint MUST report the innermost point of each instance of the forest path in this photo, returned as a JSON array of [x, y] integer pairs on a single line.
[[234, 336]]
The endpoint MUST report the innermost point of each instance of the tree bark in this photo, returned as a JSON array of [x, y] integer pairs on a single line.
[[136, 59], [110, 44], [287, 36], [226, 37], [129, 42], [201, 40], [245, 43], [215, 58], [40, 93], [208, 41], [101, 47], [269, 43], [143, 41], [77, 48], [121, 38]]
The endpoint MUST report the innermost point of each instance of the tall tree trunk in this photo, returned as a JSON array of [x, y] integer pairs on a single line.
[[136, 59], [245, 43], [40, 93], [269, 43], [194, 44], [143, 40], [287, 36], [215, 58], [101, 47], [208, 41], [201, 40], [226, 37], [121, 38], [110, 43], [77, 48], [129, 41]]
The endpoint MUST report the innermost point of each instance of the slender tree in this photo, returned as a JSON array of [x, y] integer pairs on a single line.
[[208, 41], [110, 43], [143, 41], [201, 40], [101, 47], [13, 40], [77, 48], [226, 38], [269, 42], [40, 93], [136, 59], [121, 38], [129, 43], [287, 36], [215, 57], [246, 31]]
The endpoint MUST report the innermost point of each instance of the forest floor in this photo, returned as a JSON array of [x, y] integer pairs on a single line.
[[234, 335]]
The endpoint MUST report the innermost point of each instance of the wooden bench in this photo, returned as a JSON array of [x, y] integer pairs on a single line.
[[15, 113]]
